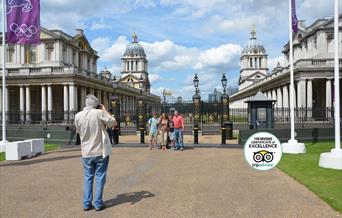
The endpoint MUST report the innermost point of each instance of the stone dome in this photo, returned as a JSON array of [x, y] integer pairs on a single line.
[[253, 45], [134, 48]]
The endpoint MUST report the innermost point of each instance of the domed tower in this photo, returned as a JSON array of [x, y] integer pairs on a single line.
[[135, 65], [253, 62]]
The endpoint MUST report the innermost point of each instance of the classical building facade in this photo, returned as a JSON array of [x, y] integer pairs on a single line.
[[135, 65], [313, 70], [253, 62], [48, 82]]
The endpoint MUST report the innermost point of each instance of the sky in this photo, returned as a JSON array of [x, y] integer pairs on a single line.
[[181, 37]]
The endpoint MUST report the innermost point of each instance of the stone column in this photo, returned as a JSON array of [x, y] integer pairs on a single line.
[[71, 101], [285, 97], [328, 97], [66, 102], [279, 97], [28, 104], [274, 96], [309, 98], [83, 97], [50, 100], [43, 101], [301, 93], [76, 98], [22, 103]]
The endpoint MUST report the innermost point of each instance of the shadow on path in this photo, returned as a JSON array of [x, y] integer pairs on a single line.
[[132, 197]]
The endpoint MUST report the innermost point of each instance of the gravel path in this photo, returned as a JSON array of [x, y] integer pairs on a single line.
[[198, 182]]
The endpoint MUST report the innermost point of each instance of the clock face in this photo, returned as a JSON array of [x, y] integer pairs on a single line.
[[255, 51]]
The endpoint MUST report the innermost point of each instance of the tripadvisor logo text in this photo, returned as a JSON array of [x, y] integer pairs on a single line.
[[263, 151]]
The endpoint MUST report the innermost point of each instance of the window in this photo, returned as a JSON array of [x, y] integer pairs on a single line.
[[30, 54], [73, 57], [259, 62], [250, 62], [315, 42], [48, 51], [65, 57], [255, 62], [131, 65], [88, 63], [10, 53], [136, 65]]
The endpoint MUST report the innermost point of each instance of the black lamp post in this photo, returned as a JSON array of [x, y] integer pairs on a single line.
[[196, 98], [115, 108], [226, 126], [141, 111], [224, 100], [224, 83]]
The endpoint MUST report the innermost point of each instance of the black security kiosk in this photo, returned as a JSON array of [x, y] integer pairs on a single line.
[[260, 112]]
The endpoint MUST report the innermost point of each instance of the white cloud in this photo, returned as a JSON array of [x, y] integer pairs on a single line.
[[218, 23], [100, 44], [218, 56], [99, 26], [154, 77], [113, 53]]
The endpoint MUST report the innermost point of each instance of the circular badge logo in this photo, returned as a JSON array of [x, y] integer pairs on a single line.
[[263, 151]]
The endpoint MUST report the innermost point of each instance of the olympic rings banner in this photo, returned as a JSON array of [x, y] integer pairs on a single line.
[[23, 21]]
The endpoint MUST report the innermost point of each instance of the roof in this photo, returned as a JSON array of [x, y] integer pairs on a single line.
[[253, 45], [134, 48], [259, 97]]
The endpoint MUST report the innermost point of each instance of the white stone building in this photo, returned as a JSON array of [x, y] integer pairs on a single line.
[[135, 65], [313, 70], [253, 62], [48, 82]]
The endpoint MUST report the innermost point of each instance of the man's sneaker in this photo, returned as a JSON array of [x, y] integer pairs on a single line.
[[88, 208], [182, 149], [100, 208]]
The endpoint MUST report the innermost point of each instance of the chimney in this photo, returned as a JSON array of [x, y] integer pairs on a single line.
[[301, 24], [79, 31]]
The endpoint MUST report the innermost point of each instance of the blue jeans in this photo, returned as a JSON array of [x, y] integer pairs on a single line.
[[178, 134], [94, 166]]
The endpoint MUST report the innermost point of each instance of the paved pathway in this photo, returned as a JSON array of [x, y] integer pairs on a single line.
[[198, 182]]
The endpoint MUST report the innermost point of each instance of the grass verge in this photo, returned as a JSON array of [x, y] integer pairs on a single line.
[[325, 183]]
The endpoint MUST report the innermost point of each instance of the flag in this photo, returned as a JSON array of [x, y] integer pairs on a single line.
[[294, 16], [23, 21], [168, 93]]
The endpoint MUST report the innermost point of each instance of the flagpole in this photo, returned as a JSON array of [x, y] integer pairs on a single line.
[[292, 146], [333, 159], [4, 141], [291, 74], [337, 84]]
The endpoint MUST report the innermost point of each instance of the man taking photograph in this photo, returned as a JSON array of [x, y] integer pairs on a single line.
[[91, 125]]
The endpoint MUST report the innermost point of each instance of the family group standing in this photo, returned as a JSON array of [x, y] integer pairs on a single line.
[[168, 129]]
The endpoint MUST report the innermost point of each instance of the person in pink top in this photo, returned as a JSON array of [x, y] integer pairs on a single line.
[[178, 123]]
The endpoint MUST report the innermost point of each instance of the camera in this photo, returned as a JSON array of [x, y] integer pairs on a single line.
[[99, 106]]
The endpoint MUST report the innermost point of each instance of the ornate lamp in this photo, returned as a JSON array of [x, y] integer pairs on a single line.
[[224, 83], [196, 82]]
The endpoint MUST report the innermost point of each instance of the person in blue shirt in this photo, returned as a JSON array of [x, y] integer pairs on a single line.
[[153, 131]]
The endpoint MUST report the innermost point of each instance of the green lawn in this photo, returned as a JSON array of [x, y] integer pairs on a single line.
[[326, 183], [48, 147]]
